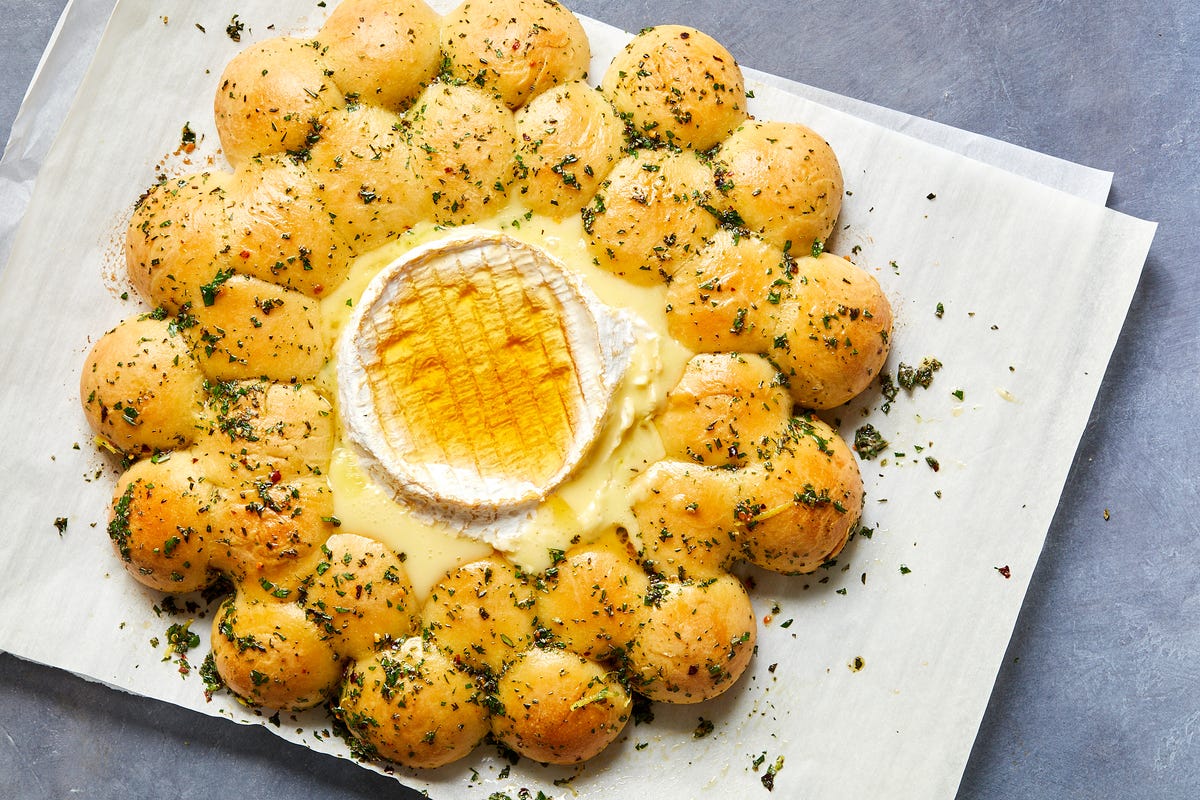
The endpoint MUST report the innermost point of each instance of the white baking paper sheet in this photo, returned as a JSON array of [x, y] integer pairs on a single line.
[[1034, 283]]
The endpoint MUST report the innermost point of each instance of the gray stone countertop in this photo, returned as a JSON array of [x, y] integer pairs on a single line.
[[1099, 693]]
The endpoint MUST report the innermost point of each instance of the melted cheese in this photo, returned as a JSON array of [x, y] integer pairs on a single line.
[[589, 497]]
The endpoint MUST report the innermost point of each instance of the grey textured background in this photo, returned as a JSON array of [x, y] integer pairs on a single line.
[[1098, 694]]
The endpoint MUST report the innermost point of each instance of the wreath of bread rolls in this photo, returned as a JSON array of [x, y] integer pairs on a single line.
[[391, 115]]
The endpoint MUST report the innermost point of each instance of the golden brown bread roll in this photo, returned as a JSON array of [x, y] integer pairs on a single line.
[[270, 655], [593, 600], [258, 427], [368, 177], [462, 141], [269, 95], [558, 707], [382, 52], [247, 328], [411, 705], [280, 229], [799, 513], [686, 520], [697, 642], [481, 614], [175, 237], [785, 182], [679, 86], [833, 334], [360, 593], [568, 139], [158, 523], [140, 387], [649, 215], [723, 409], [726, 295], [514, 49], [270, 531]]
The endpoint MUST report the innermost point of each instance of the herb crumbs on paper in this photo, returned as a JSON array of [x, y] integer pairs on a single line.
[[910, 377], [234, 29], [869, 442], [768, 780]]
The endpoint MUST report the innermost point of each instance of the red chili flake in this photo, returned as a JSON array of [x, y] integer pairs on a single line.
[[244, 254], [516, 46], [1005, 571], [276, 477]]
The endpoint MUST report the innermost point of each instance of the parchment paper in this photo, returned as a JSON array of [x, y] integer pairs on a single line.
[[1034, 284]]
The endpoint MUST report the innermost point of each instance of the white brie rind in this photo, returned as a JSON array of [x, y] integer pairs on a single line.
[[600, 339]]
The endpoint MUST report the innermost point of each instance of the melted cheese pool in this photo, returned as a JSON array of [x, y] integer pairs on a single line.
[[594, 497]]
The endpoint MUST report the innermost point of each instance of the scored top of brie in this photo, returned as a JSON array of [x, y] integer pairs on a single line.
[[475, 374]]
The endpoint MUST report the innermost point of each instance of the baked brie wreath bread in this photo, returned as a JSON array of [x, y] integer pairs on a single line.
[[480, 383]]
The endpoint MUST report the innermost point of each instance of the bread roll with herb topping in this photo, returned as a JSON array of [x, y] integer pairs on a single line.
[[697, 643], [678, 86], [558, 707], [281, 230], [141, 389], [568, 139], [263, 427], [270, 655], [649, 215], [726, 296], [785, 182], [359, 593], [270, 530], [269, 94], [593, 600], [799, 513], [382, 52], [515, 49], [463, 141], [158, 523], [833, 335], [367, 177], [481, 614], [686, 522], [411, 705], [724, 408], [174, 239], [247, 328]]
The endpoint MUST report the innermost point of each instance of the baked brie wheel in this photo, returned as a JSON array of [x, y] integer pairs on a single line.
[[630, 396]]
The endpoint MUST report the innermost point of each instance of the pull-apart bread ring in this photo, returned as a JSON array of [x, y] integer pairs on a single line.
[[493, 369]]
